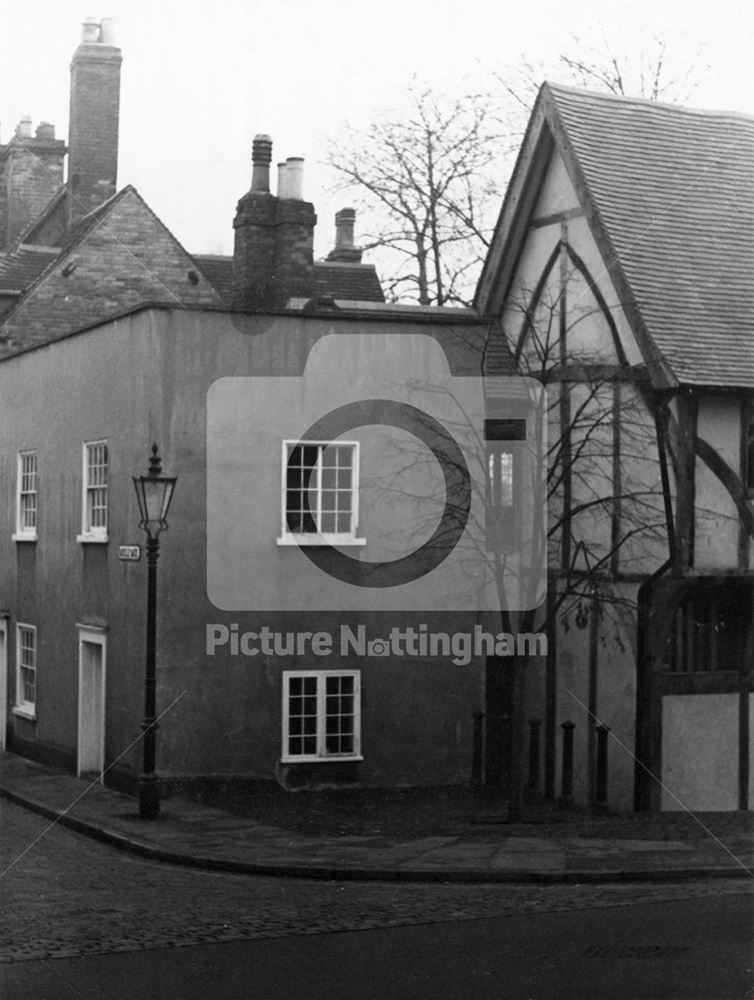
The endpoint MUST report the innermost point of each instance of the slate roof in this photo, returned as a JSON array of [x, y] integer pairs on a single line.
[[355, 282], [23, 266], [669, 195], [344, 281], [673, 189]]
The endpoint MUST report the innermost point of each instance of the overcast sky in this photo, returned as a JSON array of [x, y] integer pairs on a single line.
[[200, 78]]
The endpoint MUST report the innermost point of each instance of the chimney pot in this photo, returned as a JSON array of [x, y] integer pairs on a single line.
[[23, 129], [45, 131], [344, 248], [282, 180], [344, 223], [261, 157], [294, 178], [90, 30], [107, 31]]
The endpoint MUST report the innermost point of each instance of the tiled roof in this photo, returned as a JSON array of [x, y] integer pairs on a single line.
[[672, 191], [23, 266], [218, 271], [345, 281], [357, 282]]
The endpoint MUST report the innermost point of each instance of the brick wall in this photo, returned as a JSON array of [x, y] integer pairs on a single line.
[[31, 171], [93, 126], [127, 259]]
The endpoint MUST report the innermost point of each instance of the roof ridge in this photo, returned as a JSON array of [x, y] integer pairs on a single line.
[[647, 102]]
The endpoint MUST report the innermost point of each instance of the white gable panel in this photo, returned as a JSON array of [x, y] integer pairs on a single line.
[[558, 193]]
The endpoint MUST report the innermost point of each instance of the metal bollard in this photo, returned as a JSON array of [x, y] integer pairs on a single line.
[[534, 746], [477, 751], [600, 797], [566, 783]]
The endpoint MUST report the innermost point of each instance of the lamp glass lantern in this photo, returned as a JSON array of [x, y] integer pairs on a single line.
[[154, 493]]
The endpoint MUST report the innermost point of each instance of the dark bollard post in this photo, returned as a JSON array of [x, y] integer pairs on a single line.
[[566, 784], [477, 751], [534, 725], [600, 798]]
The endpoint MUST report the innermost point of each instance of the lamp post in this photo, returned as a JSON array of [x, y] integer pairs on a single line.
[[154, 493]]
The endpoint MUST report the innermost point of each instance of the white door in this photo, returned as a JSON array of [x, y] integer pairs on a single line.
[[3, 682], [91, 744]]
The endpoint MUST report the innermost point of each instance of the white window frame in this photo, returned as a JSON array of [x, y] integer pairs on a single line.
[[99, 532], [24, 707], [321, 755], [288, 537], [24, 533]]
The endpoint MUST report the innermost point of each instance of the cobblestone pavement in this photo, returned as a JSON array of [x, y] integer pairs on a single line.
[[70, 896]]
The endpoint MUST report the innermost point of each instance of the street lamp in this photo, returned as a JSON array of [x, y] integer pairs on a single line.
[[154, 493]]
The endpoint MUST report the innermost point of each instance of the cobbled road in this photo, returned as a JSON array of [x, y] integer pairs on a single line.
[[70, 896]]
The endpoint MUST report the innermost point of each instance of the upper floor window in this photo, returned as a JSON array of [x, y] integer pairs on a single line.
[[26, 669], [320, 502], [95, 489], [502, 438], [27, 497]]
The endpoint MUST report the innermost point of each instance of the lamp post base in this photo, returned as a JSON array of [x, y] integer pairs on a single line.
[[149, 796]]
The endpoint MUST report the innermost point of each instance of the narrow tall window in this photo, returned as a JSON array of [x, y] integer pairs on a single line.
[[749, 446], [26, 669], [27, 497], [94, 521], [502, 438], [320, 492], [321, 715]]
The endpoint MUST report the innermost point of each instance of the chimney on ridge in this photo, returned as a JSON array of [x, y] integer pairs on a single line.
[[273, 256], [344, 248], [93, 125]]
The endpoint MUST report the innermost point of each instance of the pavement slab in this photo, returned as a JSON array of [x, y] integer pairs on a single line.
[[201, 836]]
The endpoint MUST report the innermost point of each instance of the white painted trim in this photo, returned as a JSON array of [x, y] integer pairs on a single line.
[[299, 539], [94, 635], [321, 756], [92, 534], [26, 709], [3, 682], [22, 534]]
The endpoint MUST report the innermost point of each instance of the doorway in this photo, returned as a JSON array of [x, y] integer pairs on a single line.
[[91, 741]]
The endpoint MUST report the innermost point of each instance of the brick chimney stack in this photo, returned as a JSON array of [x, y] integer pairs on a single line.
[[93, 126], [344, 249], [31, 171], [273, 256]]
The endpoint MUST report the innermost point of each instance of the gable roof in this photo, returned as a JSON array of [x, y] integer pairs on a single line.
[[23, 266], [669, 194], [77, 284]]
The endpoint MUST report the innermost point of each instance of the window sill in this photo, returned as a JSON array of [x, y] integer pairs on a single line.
[[334, 541], [25, 713], [92, 539], [321, 760], [24, 537]]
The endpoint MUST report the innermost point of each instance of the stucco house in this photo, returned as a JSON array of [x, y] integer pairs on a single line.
[[621, 274], [272, 662]]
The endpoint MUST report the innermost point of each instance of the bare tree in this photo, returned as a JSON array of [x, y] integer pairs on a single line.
[[596, 470], [428, 178], [425, 187]]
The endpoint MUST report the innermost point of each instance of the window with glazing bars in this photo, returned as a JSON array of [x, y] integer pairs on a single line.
[[320, 488], [27, 492], [321, 715], [26, 660], [96, 472]]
